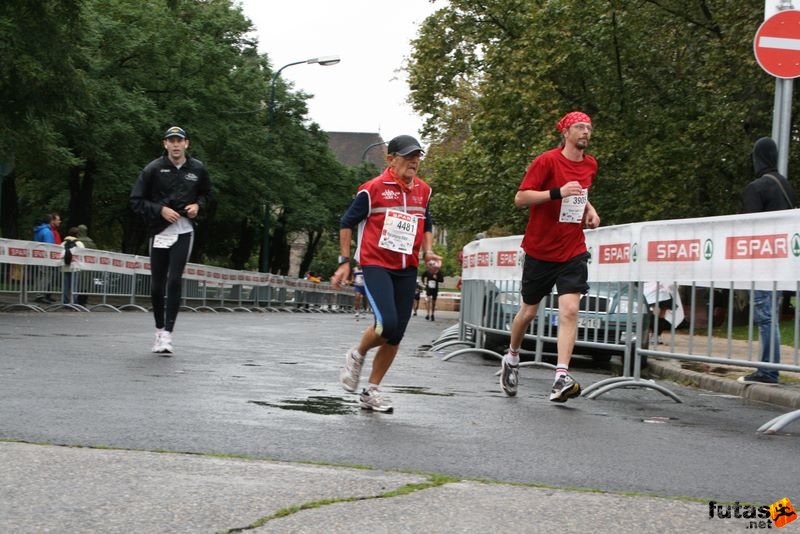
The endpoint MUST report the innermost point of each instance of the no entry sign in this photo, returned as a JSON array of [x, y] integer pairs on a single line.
[[777, 44]]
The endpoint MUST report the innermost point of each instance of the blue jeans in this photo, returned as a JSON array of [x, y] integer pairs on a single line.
[[66, 288], [762, 318]]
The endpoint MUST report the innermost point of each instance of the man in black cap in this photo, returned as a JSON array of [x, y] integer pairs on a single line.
[[391, 213], [168, 194]]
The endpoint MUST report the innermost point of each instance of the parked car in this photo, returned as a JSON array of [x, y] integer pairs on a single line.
[[607, 316]]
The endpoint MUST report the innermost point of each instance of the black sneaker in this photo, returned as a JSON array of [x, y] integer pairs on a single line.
[[757, 378], [509, 377], [565, 388]]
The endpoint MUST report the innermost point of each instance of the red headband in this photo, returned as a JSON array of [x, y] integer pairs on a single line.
[[571, 118]]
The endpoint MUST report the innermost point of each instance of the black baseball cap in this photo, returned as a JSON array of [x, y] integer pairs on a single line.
[[175, 131], [403, 145]]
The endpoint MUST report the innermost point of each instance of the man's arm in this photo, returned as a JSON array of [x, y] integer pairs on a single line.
[[590, 217], [528, 197]]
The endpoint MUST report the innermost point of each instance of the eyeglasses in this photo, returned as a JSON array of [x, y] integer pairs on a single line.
[[413, 155]]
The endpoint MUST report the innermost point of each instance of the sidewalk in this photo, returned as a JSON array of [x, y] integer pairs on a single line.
[[49, 488], [723, 378]]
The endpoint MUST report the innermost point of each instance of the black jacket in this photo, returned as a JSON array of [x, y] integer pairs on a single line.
[[163, 184], [763, 193]]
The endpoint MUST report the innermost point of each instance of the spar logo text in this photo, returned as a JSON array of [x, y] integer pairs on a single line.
[[674, 250], [757, 247], [615, 253]]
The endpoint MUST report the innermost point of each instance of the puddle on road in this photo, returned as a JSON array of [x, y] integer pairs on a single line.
[[659, 420], [317, 405], [416, 390]]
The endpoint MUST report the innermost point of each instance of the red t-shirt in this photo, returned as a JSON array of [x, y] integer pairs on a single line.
[[546, 238]]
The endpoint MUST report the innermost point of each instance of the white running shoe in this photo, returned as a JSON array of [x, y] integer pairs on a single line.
[[166, 343], [351, 372], [157, 342], [371, 399]]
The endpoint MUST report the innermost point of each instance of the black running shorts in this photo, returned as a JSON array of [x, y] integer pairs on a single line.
[[539, 277]]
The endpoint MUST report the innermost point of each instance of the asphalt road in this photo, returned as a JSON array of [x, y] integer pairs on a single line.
[[266, 386]]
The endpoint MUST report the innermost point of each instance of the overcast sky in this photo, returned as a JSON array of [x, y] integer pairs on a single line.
[[367, 91]]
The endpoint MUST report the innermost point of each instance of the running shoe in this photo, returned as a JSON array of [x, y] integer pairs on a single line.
[[351, 372], [509, 377], [157, 343], [565, 388], [166, 342], [371, 399]]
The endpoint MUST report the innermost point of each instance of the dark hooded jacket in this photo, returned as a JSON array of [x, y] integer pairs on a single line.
[[161, 183], [764, 193]]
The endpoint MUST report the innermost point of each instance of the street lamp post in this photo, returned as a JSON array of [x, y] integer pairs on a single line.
[[364, 154], [325, 62]]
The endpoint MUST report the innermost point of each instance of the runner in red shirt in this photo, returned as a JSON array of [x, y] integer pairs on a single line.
[[555, 189], [391, 214]]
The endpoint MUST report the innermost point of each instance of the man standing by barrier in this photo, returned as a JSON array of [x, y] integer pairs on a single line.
[[555, 189], [391, 212], [168, 194], [770, 191]]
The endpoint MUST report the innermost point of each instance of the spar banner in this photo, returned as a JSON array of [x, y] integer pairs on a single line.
[[756, 248], [613, 252], [30, 253], [497, 258]]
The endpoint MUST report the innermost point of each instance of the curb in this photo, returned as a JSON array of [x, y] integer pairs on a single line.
[[776, 395]]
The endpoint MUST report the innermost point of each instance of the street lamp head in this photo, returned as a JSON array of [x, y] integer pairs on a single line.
[[325, 61]]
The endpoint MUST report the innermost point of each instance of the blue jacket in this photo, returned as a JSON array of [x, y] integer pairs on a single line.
[[43, 233]]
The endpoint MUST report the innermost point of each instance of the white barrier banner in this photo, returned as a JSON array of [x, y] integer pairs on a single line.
[[13, 251], [738, 249], [613, 252], [30, 253], [501, 258], [498, 258], [758, 247]]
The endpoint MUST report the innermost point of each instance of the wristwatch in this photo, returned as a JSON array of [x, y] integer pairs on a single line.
[[344, 259]]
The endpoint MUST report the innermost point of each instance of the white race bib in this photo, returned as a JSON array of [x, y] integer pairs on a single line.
[[572, 207], [164, 241], [399, 232]]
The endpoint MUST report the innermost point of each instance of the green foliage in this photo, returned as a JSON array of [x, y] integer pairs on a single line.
[[88, 86], [672, 85]]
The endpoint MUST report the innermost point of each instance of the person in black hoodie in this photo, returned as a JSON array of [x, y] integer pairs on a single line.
[[769, 191], [168, 194]]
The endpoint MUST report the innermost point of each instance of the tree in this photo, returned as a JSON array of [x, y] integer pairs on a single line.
[[675, 111]]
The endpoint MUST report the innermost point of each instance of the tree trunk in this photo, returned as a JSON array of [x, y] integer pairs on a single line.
[[81, 188], [279, 247], [8, 208], [311, 250], [241, 253]]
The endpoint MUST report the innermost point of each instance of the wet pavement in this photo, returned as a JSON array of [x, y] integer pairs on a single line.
[[246, 427]]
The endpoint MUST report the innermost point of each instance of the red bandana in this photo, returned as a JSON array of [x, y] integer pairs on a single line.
[[571, 118]]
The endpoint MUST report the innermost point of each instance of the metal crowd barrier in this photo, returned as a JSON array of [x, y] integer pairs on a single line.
[[32, 278], [697, 273]]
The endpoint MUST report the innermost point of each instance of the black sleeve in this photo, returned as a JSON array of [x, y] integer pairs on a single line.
[[141, 195], [203, 187], [357, 212]]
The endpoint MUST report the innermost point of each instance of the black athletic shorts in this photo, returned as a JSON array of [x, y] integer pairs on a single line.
[[539, 277]]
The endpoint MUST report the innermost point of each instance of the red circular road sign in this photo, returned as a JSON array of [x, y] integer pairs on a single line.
[[777, 44]]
